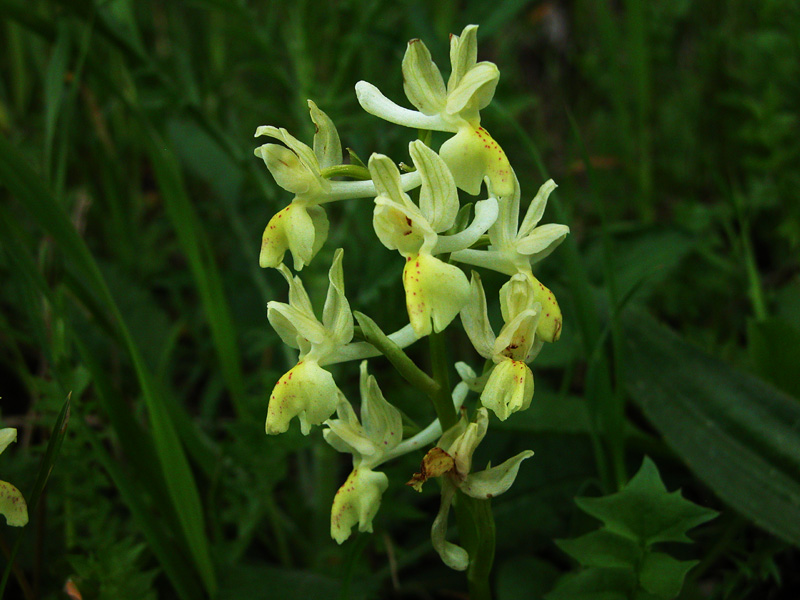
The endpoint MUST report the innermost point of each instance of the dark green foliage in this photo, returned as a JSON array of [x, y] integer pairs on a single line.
[[620, 559]]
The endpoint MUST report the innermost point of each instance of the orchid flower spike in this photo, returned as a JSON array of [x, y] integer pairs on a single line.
[[510, 384], [302, 227], [308, 391], [12, 503], [471, 153], [514, 248], [451, 460], [435, 291]]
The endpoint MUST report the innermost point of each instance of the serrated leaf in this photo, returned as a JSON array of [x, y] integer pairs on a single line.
[[645, 512], [662, 575], [602, 548], [595, 584]]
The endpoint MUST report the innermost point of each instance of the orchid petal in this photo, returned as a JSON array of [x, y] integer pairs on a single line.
[[471, 155], [287, 169], [543, 240], [422, 80], [7, 436], [400, 227], [518, 335], [549, 328], [327, 147], [536, 208], [345, 434], [291, 324], [463, 54], [303, 152], [307, 392], [382, 422], [300, 231], [336, 315], [298, 297], [435, 292], [438, 198], [12, 505], [463, 447], [516, 296], [357, 502], [504, 233], [495, 481], [474, 91], [475, 319], [509, 389]]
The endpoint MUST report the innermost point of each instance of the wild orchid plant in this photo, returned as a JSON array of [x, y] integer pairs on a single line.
[[417, 214]]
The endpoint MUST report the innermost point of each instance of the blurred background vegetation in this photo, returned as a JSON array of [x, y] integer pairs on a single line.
[[131, 214]]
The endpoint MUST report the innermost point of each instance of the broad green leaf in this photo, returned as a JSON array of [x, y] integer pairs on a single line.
[[595, 584], [662, 575], [602, 548], [739, 435], [524, 578], [645, 512], [774, 347]]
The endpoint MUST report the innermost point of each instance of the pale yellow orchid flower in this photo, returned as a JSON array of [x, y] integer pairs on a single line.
[[435, 291], [451, 460], [471, 153], [302, 226], [308, 391], [510, 384], [514, 247]]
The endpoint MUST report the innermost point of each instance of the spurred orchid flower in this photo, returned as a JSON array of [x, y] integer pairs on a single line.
[[12, 503], [515, 247], [435, 291], [375, 439], [471, 153], [510, 384], [302, 227], [451, 460], [308, 391], [378, 433]]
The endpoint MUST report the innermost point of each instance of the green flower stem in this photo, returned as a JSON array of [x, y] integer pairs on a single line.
[[475, 519], [477, 531], [399, 359], [352, 171], [442, 401]]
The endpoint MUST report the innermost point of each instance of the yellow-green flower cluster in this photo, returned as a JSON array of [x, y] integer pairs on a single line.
[[416, 214]]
